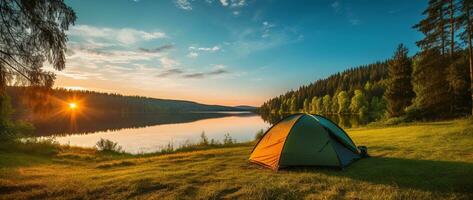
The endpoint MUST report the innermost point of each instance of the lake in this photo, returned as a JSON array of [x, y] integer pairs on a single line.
[[151, 132], [145, 133]]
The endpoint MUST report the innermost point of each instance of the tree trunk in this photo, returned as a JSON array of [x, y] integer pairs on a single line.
[[470, 50], [452, 29], [442, 30]]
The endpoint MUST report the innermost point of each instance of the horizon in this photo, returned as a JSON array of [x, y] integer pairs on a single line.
[[254, 50]]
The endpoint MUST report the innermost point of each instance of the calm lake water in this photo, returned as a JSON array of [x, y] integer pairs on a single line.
[[150, 133]]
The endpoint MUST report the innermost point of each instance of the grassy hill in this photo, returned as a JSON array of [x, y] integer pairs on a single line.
[[411, 161]]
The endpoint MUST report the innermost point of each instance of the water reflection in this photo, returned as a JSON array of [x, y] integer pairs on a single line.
[[61, 125], [150, 138]]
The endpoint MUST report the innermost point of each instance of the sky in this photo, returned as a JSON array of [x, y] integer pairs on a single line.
[[228, 52]]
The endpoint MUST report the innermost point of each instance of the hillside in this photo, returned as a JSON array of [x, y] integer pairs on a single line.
[[25, 100], [412, 161], [369, 78]]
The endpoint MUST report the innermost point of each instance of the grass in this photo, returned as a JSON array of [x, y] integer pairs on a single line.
[[432, 160]]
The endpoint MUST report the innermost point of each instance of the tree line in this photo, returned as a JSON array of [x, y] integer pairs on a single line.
[[25, 102], [354, 91], [434, 83]]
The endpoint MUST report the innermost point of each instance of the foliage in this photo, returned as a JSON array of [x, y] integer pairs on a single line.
[[228, 140], [259, 135], [348, 81], [32, 32], [102, 103], [459, 85], [399, 92], [108, 146], [359, 104], [203, 139], [343, 102], [432, 97], [11, 130]]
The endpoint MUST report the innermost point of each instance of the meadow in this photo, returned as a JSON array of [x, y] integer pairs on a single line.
[[423, 160]]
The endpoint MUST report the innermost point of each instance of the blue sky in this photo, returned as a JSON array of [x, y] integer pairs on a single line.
[[229, 52]]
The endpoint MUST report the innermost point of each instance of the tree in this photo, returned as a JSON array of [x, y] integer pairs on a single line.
[[343, 102], [32, 32], [433, 26], [306, 105], [459, 83], [293, 104], [377, 107], [327, 102], [313, 105], [399, 91], [432, 98], [466, 22], [359, 104], [334, 106]]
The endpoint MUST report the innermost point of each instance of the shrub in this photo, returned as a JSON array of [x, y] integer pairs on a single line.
[[259, 135], [204, 141], [11, 130], [228, 140], [108, 145]]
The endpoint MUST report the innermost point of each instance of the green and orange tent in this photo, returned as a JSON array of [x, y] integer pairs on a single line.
[[305, 140]]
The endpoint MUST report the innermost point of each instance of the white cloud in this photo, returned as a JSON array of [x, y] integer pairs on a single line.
[[124, 36], [168, 62], [236, 12], [184, 4], [208, 49], [192, 54], [224, 2], [238, 3]]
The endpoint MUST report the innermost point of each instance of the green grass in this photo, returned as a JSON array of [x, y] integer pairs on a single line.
[[412, 161]]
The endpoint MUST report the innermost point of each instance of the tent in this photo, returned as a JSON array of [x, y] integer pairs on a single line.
[[305, 140]]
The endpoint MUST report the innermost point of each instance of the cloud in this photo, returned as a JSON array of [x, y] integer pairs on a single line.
[[238, 3], [157, 49], [169, 72], [194, 75], [264, 37], [183, 4], [346, 11], [208, 49], [236, 12], [192, 54], [336, 6], [124, 36], [218, 70], [224, 2], [167, 62]]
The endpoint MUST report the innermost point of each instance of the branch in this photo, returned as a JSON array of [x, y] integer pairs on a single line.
[[18, 71]]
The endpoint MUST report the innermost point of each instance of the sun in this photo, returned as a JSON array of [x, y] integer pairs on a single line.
[[72, 105]]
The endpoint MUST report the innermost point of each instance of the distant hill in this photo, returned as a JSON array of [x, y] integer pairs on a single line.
[[246, 108], [105, 103]]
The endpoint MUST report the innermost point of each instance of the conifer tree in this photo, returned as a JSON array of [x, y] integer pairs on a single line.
[[466, 22], [432, 98], [399, 92], [434, 26]]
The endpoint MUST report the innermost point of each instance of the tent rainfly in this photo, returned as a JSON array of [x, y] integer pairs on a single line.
[[305, 140]]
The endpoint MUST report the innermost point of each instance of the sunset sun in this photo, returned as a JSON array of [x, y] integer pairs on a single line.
[[72, 105]]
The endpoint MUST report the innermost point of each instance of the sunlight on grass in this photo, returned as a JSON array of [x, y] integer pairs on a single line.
[[414, 161]]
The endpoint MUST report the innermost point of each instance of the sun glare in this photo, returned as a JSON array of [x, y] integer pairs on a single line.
[[72, 105]]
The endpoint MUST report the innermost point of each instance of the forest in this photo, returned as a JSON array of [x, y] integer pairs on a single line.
[[35, 104], [434, 83]]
